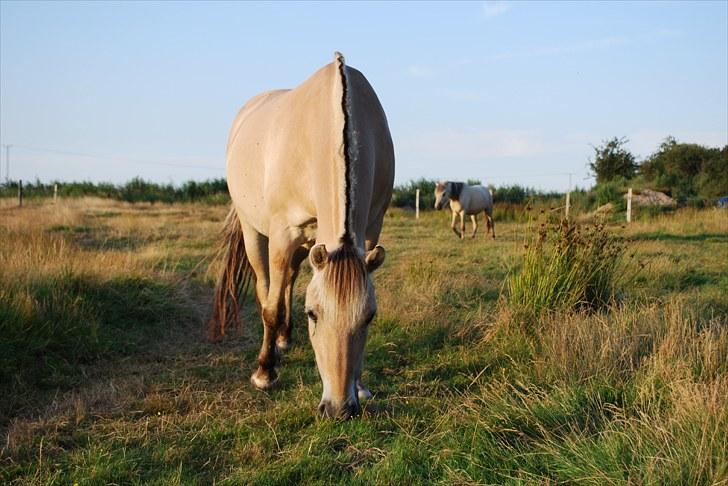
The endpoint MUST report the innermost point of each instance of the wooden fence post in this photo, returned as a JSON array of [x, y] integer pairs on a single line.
[[55, 193], [629, 205], [568, 200], [417, 204], [20, 193]]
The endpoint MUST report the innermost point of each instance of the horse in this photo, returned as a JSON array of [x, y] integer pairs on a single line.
[[310, 172], [465, 199]]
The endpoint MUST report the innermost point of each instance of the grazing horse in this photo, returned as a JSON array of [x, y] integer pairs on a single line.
[[310, 172], [465, 199]]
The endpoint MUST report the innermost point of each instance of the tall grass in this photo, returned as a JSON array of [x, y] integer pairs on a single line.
[[566, 267], [80, 284]]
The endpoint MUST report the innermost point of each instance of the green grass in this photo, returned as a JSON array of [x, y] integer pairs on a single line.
[[119, 388], [565, 267]]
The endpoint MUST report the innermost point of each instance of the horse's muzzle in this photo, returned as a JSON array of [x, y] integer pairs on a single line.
[[348, 409]]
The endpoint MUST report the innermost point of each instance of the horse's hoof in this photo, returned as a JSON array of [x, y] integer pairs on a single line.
[[264, 380], [283, 344], [363, 392]]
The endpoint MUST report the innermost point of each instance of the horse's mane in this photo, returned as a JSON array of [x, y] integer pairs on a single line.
[[345, 280], [349, 148], [455, 189]]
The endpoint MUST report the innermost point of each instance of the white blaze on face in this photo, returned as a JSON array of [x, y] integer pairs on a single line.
[[441, 197], [339, 312]]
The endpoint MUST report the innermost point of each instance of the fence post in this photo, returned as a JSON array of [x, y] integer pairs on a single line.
[[55, 193], [417, 204], [629, 205], [568, 201], [20, 193]]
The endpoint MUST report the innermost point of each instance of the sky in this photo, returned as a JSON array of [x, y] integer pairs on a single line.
[[504, 92]]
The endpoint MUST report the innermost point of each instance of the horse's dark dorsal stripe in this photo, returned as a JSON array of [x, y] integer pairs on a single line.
[[347, 237], [455, 190]]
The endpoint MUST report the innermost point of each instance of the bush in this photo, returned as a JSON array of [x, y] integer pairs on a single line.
[[611, 192], [612, 160], [405, 195], [137, 190], [688, 170], [565, 268]]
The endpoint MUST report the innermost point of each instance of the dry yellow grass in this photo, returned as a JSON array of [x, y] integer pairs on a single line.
[[632, 395]]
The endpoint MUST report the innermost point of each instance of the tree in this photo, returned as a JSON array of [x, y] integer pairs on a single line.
[[688, 169], [612, 160]]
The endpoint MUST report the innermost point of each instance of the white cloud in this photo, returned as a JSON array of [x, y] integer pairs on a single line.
[[589, 45], [482, 144], [464, 95], [527, 157], [419, 71], [494, 8], [575, 48]]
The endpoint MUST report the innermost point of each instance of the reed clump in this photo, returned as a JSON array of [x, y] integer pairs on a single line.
[[566, 267]]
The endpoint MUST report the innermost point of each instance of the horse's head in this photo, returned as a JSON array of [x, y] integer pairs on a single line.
[[441, 195], [340, 304]]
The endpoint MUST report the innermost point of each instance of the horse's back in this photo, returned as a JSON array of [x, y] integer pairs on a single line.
[[373, 164], [253, 108], [479, 199], [248, 151], [281, 142]]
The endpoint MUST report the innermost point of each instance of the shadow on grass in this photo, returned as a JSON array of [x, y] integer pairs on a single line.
[[55, 326], [684, 280], [660, 236]]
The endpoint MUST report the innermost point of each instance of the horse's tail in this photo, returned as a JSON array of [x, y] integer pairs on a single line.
[[489, 209], [234, 280], [491, 202]]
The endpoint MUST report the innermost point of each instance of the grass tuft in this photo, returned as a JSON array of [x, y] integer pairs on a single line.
[[566, 267]]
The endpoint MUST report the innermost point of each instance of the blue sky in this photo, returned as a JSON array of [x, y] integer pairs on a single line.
[[506, 92]]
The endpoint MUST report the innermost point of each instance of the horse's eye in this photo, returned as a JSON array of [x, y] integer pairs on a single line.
[[312, 315]]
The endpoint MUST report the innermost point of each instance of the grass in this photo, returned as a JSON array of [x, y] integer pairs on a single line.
[[565, 267], [109, 381]]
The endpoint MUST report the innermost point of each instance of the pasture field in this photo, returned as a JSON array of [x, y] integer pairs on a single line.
[[105, 377]]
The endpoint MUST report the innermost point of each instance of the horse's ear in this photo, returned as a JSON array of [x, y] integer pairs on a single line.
[[374, 258], [318, 256]]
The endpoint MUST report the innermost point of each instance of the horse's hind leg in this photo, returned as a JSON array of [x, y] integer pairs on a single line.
[[491, 223], [474, 219], [283, 339]]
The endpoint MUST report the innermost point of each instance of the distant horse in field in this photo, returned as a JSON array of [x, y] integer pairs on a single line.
[[465, 199], [310, 171]]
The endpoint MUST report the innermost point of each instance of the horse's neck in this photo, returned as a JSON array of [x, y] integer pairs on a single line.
[[455, 205], [343, 212]]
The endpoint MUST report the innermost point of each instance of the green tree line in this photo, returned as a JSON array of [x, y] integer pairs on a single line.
[[689, 172], [213, 191]]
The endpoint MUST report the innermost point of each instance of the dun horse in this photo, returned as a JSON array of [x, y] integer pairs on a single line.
[[310, 172], [465, 199]]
